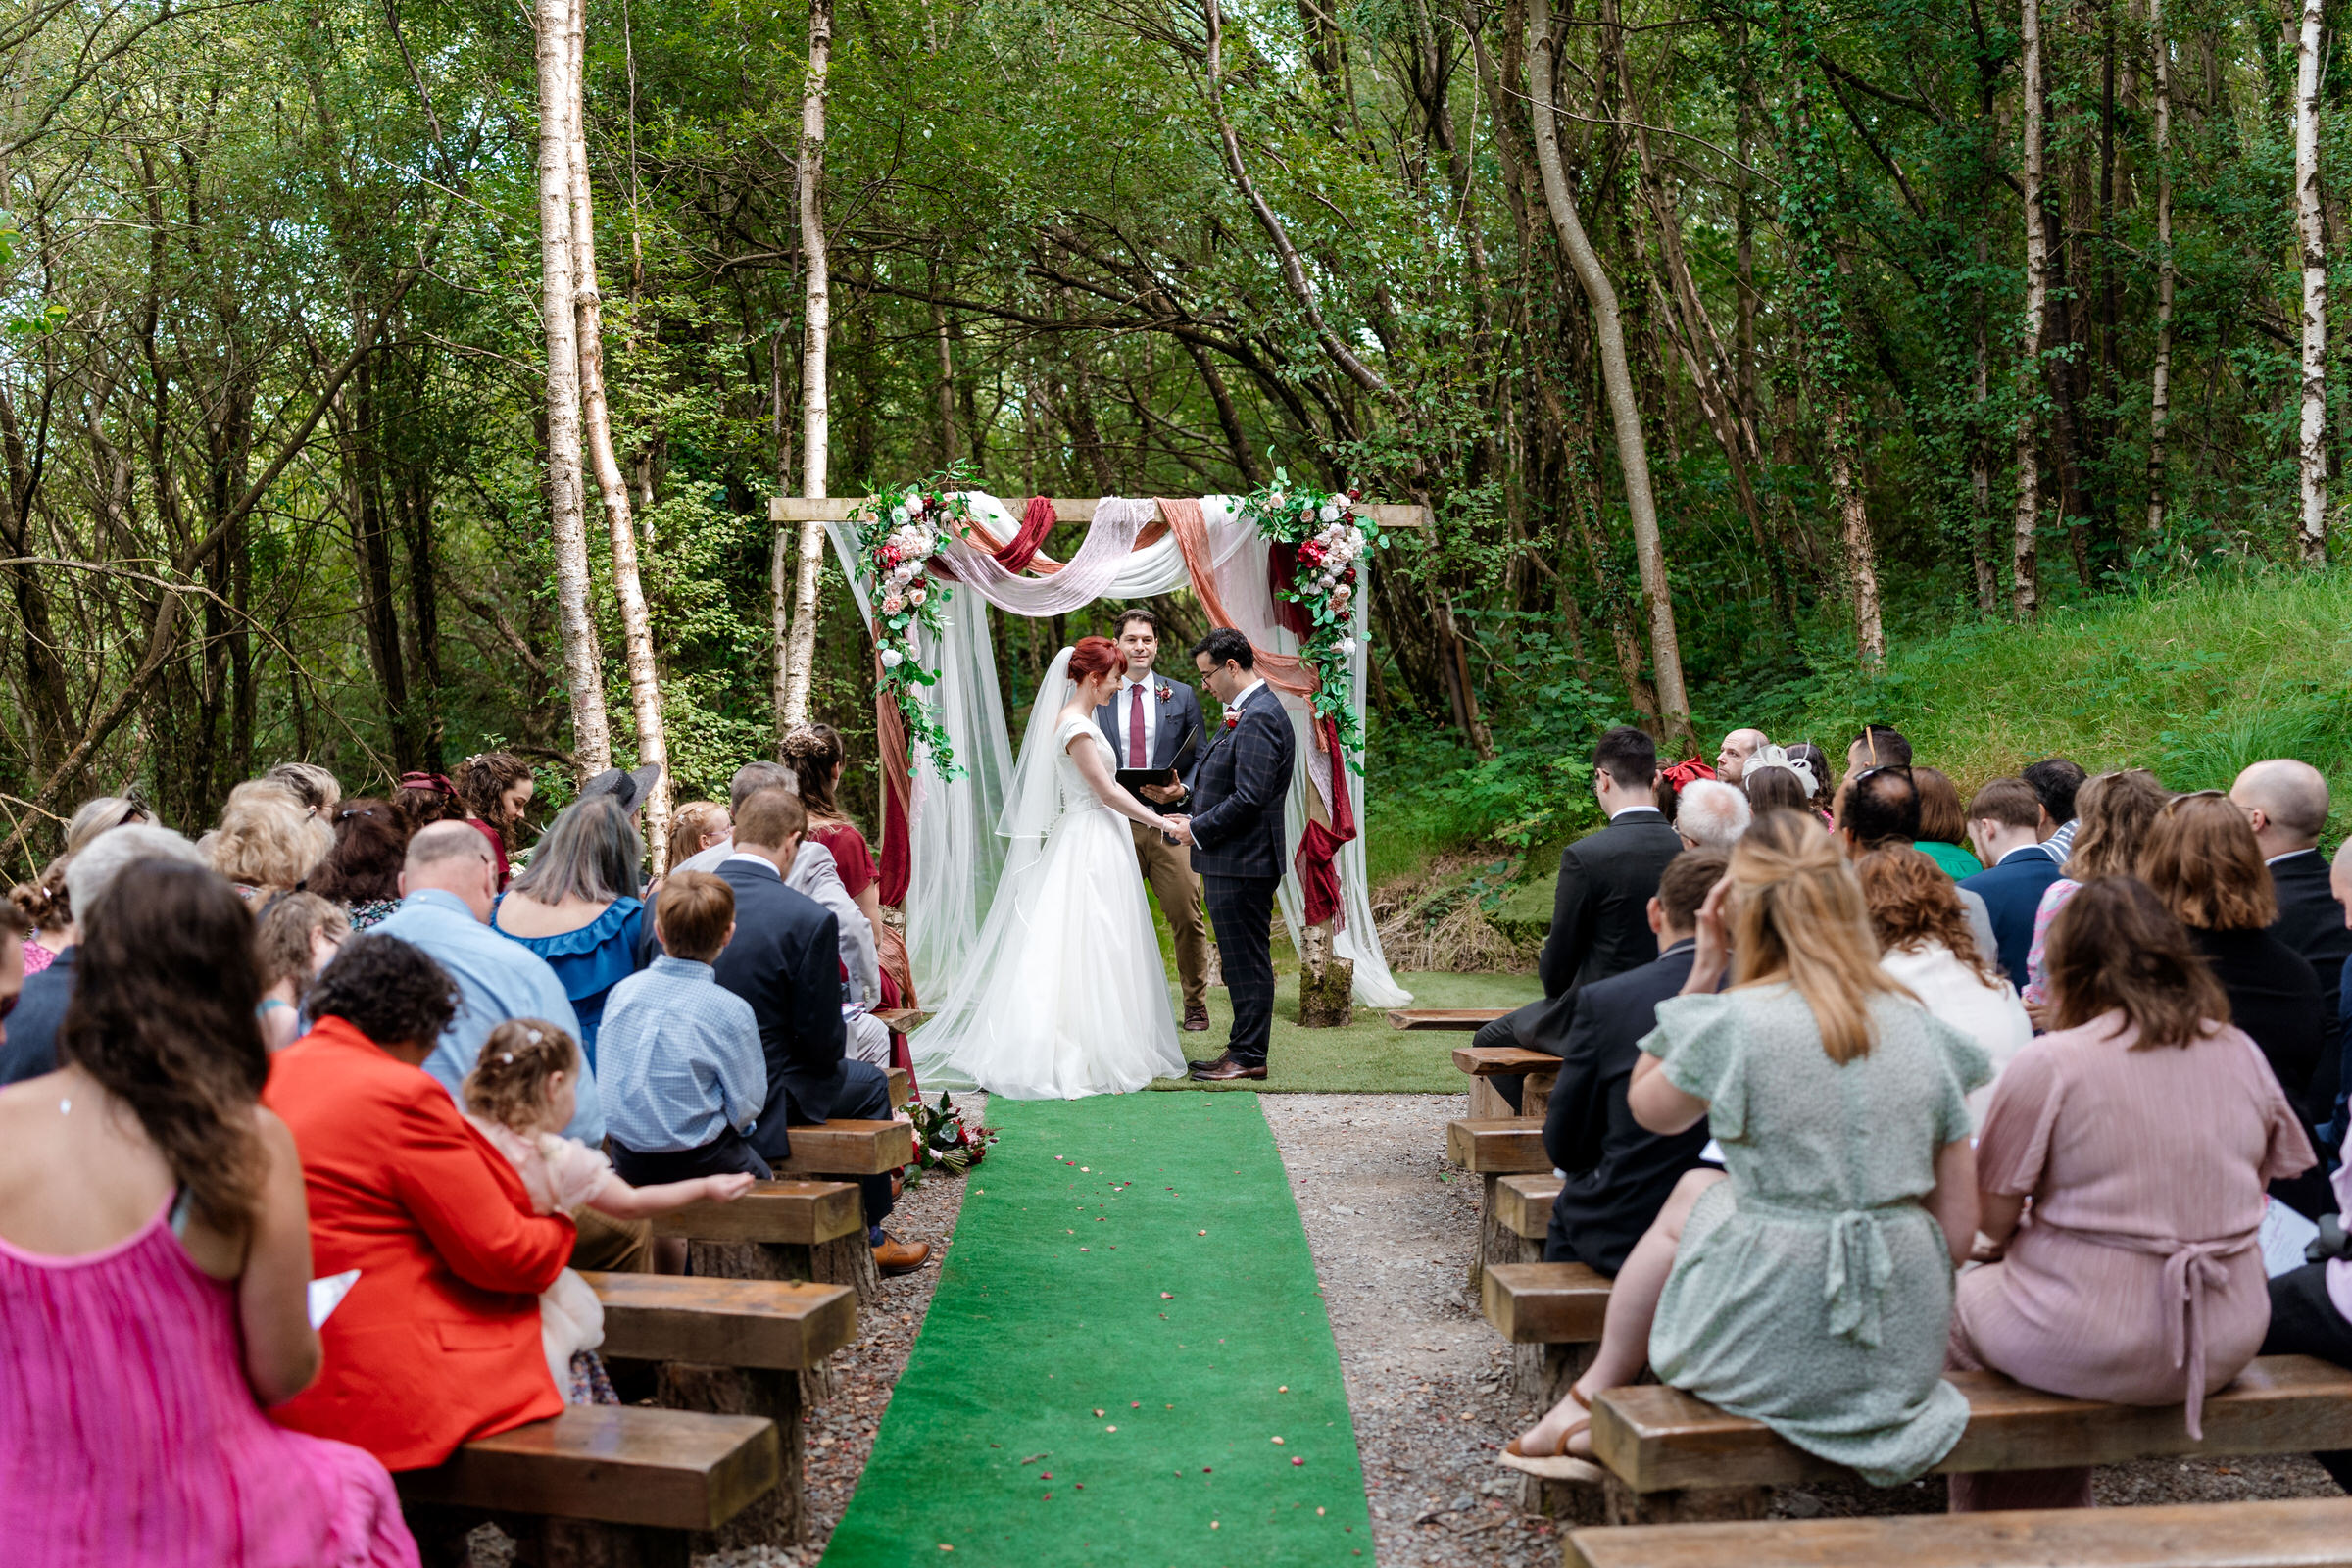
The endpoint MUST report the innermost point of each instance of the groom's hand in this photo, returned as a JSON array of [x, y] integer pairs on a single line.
[[1182, 829]]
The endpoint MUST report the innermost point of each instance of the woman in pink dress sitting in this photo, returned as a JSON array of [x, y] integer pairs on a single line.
[[2143, 1131], [154, 1257]]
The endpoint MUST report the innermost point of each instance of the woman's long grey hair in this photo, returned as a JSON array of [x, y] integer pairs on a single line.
[[590, 851]]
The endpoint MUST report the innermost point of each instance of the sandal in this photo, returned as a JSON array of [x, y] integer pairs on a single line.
[[1559, 1465]]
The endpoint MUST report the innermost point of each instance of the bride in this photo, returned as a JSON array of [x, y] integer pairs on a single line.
[[1065, 994]]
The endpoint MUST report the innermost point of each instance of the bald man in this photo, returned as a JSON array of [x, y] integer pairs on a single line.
[[2286, 803], [1730, 763]]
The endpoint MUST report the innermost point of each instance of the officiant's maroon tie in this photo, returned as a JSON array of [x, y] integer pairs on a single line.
[[1135, 730]]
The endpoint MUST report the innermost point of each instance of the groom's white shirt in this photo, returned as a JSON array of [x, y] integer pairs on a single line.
[[1243, 695]]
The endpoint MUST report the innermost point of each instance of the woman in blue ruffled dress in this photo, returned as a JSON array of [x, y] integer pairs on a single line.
[[576, 905]]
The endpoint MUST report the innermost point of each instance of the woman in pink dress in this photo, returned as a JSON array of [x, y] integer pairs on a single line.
[[154, 1257], [2136, 1275]]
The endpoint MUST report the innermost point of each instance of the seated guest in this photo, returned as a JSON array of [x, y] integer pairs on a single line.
[[424, 798], [2114, 813], [438, 1342], [1730, 758], [1877, 746], [2202, 860], [2005, 820], [297, 935], [361, 870], [48, 913], [1944, 824], [1877, 809], [518, 1097], [1775, 781], [496, 788], [267, 841], [154, 1261], [2140, 1280], [684, 1077], [2285, 801], [576, 905], [1925, 942], [697, 826], [318, 790], [1711, 816], [784, 960], [1618, 1173], [2054, 782], [1598, 924], [1841, 1106], [1816, 761], [29, 1046]]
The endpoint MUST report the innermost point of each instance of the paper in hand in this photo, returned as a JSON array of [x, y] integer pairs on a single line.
[[2282, 1237], [327, 1294]]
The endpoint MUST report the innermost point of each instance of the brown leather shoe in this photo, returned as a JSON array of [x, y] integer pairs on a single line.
[[894, 1257], [1196, 1019], [1225, 1069]]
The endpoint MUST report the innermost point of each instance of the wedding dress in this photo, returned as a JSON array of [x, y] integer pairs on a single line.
[[1064, 993]]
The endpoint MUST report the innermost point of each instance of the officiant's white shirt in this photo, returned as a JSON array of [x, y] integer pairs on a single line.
[[1122, 716]]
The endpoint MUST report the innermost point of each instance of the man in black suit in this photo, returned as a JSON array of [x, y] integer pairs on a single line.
[[785, 961], [1155, 722], [1238, 787], [1598, 925], [2287, 802], [1619, 1173]]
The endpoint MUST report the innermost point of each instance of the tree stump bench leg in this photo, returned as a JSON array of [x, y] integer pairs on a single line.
[[445, 1539], [777, 1517], [1624, 1506], [833, 1263], [1498, 1242]]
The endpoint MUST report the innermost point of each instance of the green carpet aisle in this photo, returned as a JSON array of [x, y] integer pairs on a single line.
[[1085, 1325]]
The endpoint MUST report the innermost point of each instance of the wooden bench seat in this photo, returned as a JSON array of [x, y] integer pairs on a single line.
[[783, 1325], [1498, 1146], [1661, 1444], [1487, 1061], [799, 1213], [848, 1149], [616, 1485], [1459, 1018], [2301, 1533], [1523, 1203], [1544, 1303]]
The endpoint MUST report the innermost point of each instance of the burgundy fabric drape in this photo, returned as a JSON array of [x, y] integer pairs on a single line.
[[1282, 571], [890, 745], [1318, 877]]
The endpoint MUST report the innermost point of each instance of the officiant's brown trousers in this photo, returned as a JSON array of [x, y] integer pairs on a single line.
[[1169, 868]]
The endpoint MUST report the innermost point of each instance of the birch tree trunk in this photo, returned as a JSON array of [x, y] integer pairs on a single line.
[[2025, 593], [628, 589], [1853, 516], [2311, 242], [1625, 417], [2160, 374], [800, 657], [583, 667]]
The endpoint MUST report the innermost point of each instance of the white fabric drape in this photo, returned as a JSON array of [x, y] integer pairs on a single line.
[[957, 857]]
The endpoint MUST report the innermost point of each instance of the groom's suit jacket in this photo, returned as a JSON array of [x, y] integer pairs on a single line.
[[1238, 785], [1175, 715]]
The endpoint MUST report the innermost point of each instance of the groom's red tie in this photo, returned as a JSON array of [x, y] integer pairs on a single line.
[[1135, 730]]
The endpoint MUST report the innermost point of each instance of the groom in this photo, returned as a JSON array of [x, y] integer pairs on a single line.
[[1236, 833]]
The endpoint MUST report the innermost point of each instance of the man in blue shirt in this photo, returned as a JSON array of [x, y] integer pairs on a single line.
[[447, 889]]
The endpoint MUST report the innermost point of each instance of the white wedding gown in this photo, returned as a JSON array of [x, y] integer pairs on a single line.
[[1065, 994]]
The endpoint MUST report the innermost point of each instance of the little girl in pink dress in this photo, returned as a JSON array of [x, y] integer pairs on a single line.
[[519, 1096]]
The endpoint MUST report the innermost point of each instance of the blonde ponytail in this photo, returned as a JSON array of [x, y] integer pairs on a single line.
[[1799, 916]]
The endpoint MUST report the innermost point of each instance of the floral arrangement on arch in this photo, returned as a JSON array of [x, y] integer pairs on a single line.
[[899, 532], [1329, 537]]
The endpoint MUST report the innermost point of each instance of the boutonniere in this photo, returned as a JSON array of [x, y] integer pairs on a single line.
[[1162, 692], [1231, 720]]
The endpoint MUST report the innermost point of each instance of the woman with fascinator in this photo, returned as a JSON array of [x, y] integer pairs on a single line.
[[1779, 780], [1065, 993]]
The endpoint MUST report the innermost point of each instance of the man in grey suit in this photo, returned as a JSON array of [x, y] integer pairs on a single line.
[[1155, 722], [1600, 906]]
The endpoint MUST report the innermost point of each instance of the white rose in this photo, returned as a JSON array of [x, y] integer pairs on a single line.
[[914, 506], [892, 658], [1274, 498], [1345, 647], [915, 595], [1329, 514], [892, 604]]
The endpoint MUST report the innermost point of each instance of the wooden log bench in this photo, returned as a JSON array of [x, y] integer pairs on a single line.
[[1551, 1315], [1674, 1458], [1537, 1071], [733, 1347], [780, 1230], [1464, 1019], [606, 1485], [1490, 1147], [1522, 1204], [848, 1149], [2300, 1533]]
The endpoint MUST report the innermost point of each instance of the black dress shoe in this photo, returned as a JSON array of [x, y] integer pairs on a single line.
[[1196, 1019], [1200, 1069], [1224, 1069]]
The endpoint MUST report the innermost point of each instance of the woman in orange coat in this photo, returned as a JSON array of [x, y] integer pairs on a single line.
[[438, 1340]]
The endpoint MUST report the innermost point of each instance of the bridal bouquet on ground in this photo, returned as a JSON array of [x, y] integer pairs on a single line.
[[942, 1141], [1323, 536], [899, 532]]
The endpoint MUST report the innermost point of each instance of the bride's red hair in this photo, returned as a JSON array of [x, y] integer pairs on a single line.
[[1093, 656]]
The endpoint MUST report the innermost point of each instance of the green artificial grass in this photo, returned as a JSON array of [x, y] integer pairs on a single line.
[[1368, 1056], [1127, 1321]]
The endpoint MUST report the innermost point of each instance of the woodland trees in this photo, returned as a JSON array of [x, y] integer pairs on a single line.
[[1740, 338]]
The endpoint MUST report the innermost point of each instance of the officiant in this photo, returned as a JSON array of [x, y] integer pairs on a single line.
[[1154, 725]]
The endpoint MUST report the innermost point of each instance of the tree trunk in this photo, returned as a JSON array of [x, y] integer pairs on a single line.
[[2160, 374], [628, 590], [2024, 593], [1633, 453], [1853, 516], [2310, 244], [1984, 530], [800, 658], [583, 664]]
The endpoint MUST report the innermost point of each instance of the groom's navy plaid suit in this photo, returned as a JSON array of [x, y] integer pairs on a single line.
[[1238, 785]]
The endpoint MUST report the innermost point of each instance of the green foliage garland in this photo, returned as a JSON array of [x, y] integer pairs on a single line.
[[899, 534], [1331, 536]]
